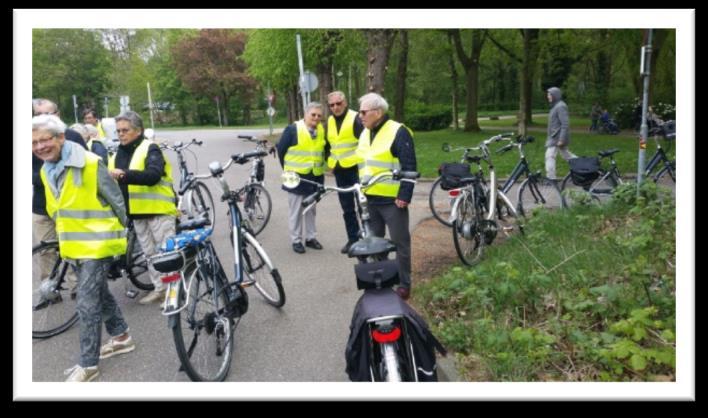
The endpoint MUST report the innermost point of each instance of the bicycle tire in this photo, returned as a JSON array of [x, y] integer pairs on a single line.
[[466, 234], [137, 266], [538, 192], [259, 271], [196, 325], [440, 203], [200, 202], [509, 221], [257, 207], [51, 318], [666, 176]]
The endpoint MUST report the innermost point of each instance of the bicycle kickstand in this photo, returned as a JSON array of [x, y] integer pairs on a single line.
[[129, 292]]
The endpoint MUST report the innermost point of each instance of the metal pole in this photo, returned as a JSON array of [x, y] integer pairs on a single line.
[[350, 82], [105, 107], [643, 130], [76, 116], [304, 85], [152, 121]]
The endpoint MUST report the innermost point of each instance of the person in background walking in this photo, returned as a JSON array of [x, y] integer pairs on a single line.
[[595, 116], [558, 132]]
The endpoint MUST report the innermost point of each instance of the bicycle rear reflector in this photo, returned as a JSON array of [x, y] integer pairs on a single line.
[[454, 192], [171, 277], [388, 336]]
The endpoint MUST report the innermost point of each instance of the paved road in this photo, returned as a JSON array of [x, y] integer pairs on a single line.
[[303, 341]]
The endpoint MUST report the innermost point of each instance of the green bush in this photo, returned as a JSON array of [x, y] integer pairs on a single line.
[[421, 117]]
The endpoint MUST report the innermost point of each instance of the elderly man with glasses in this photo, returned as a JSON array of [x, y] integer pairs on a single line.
[[301, 149], [385, 145], [342, 133]]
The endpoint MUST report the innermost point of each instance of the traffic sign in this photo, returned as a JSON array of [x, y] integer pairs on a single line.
[[270, 111], [311, 79]]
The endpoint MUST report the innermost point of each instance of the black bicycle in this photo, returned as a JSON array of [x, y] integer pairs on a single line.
[[660, 168], [203, 306], [257, 204], [54, 296], [388, 341], [194, 196], [588, 182]]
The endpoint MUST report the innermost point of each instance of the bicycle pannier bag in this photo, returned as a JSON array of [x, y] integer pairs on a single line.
[[452, 173], [376, 275], [172, 260], [669, 129], [584, 170]]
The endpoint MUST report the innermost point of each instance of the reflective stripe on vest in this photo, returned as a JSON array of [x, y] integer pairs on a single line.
[[343, 144], [85, 228], [376, 157], [158, 199], [308, 155]]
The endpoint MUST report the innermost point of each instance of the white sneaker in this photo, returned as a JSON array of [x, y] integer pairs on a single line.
[[81, 374], [154, 296]]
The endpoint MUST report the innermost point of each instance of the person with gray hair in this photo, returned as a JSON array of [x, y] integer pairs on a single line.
[[145, 179], [558, 132], [385, 145], [342, 134], [301, 149], [89, 213], [93, 144], [43, 228]]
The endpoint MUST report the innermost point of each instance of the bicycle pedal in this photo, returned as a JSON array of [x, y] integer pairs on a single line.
[[131, 293], [247, 283]]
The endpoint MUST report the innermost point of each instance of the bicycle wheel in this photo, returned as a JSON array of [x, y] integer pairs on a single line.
[[203, 335], [201, 203], [136, 263], [467, 232], [574, 195], [259, 271], [440, 202], [257, 206], [538, 192], [508, 219], [53, 302], [666, 176]]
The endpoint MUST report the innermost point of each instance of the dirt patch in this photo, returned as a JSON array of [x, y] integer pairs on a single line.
[[432, 250]]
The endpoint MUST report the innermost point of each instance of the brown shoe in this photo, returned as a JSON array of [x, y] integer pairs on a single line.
[[404, 293], [154, 296]]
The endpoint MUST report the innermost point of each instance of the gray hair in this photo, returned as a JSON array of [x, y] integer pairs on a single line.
[[81, 129], [48, 123], [131, 117], [39, 102], [313, 105], [374, 101], [337, 93], [91, 130]]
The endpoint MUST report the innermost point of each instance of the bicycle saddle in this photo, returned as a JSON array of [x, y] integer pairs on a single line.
[[371, 246], [607, 153]]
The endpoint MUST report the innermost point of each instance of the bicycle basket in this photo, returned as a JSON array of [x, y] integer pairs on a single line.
[[380, 274], [584, 170], [260, 170], [452, 173]]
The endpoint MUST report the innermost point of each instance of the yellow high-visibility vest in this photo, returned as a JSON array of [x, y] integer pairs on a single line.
[[376, 157], [86, 229], [308, 155], [343, 144], [158, 199]]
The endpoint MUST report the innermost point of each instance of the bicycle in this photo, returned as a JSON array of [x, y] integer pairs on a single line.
[[195, 193], [667, 173], [53, 297], [257, 204], [480, 209], [200, 302], [443, 194], [589, 183], [394, 340], [536, 190]]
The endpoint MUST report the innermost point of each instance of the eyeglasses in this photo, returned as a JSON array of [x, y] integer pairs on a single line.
[[364, 112], [122, 131], [336, 104], [42, 142], [315, 115]]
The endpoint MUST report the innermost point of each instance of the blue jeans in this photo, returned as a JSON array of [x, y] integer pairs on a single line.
[[345, 177], [95, 304]]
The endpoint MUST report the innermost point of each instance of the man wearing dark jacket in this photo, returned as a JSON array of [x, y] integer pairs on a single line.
[[385, 145]]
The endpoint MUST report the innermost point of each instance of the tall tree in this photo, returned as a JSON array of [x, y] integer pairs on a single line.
[[471, 65], [380, 42], [211, 64], [453, 76], [401, 76]]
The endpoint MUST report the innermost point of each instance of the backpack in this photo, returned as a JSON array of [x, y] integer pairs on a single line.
[[584, 170], [452, 173]]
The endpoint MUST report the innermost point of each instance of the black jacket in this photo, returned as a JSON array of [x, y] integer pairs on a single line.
[[374, 303], [150, 176], [39, 202]]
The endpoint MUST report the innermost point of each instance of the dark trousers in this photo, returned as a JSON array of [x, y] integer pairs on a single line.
[[345, 177], [396, 219]]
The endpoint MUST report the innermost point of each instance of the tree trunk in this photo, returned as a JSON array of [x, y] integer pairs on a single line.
[[471, 66], [225, 109], [325, 86], [659, 37], [401, 72], [378, 52], [357, 86], [528, 64], [453, 75]]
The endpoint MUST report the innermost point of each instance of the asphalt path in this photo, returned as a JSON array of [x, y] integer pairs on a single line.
[[304, 341]]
